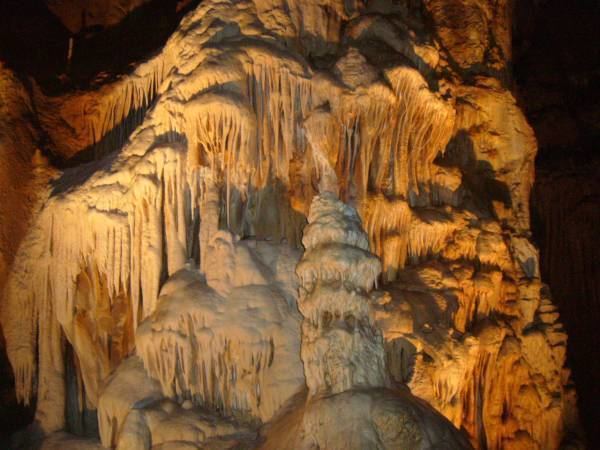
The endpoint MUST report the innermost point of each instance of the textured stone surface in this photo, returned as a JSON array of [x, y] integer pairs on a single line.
[[178, 243]]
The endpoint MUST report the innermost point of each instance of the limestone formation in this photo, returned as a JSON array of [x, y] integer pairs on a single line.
[[211, 278], [350, 404]]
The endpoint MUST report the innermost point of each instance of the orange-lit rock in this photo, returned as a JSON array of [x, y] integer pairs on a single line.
[[170, 258]]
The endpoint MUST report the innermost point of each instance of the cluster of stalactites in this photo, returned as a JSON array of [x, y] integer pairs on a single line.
[[425, 124], [385, 141], [493, 384], [214, 371], [242, 117], [131, 228], [250, 134], [398, 232], [240, 121]]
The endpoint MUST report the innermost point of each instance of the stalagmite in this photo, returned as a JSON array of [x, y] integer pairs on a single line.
[[343, 352]]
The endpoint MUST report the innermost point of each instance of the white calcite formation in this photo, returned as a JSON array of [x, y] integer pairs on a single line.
[[341, 348], [170, 259], [237, 353], [349, 404]]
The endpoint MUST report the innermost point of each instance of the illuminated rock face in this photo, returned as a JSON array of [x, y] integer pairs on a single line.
[[350, 403], [171, 258]]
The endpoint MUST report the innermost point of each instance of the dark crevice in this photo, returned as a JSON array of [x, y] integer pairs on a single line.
[[557, 76], [34, 43]]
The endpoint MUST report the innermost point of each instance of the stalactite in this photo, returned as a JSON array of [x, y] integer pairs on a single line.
[[280, 98], [117, 233], [425, 125], [387, 224], [190, 363], [398, 232], [223, 349]]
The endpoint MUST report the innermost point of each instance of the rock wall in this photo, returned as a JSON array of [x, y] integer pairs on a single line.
[[177, 244], [24, 173]]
